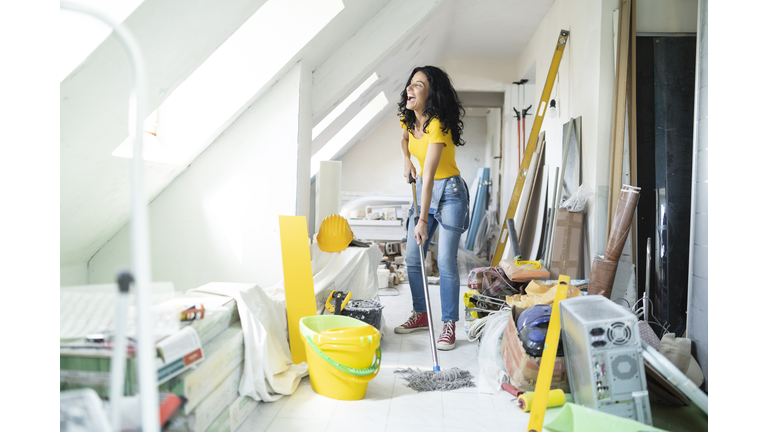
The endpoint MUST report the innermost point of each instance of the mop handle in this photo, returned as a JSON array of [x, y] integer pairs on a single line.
[[436, 366]]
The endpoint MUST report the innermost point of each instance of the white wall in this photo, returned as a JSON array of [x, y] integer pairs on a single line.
[[218, 221], [698, 276], [492, 152], [375, 163], [480, 74], [74, 274], [519, 97], [471, 156]]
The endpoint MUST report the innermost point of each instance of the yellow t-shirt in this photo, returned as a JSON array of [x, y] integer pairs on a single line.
[[434, 134]]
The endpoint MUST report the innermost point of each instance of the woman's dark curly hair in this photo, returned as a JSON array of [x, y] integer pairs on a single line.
[[442, 103]]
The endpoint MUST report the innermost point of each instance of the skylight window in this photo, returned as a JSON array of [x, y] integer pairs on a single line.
[[235, 72], [80, 34], [343, 106], [332, 147]]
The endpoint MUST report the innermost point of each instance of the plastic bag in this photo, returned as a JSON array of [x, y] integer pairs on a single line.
[[489, 281], [578, 201], [492, 369], [538, 292]]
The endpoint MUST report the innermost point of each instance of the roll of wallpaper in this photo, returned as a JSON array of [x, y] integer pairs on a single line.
[[328, 191], [622, 222], [602, 276]]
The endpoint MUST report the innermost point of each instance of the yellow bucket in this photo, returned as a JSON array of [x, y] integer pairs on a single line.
[[343, 355]]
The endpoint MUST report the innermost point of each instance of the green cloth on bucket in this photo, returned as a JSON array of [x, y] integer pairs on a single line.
[[576, 418]]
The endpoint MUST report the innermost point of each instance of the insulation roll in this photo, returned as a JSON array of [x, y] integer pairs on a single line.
[[622, 222], [602, 276], [328, 193]]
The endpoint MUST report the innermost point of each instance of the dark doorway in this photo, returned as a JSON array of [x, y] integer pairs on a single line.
[[666, 69]]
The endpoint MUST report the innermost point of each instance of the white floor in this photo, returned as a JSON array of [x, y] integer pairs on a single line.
[[388, 404]]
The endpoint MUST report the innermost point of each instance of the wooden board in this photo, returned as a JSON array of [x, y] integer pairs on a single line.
[[297, 276], [619, 109], [531, 229]]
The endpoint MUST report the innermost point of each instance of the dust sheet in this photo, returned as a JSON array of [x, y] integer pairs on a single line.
[[269, 372], [352, 270]]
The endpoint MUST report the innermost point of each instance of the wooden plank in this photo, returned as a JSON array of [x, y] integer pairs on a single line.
[[619, 110], [299, 285], [540, 150]]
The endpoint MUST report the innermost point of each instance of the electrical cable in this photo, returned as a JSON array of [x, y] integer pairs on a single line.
[[477, 326], [389, 295], [627, 301], [639, 312]]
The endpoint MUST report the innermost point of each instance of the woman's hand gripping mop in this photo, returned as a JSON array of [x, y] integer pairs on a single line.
[[435, 379]]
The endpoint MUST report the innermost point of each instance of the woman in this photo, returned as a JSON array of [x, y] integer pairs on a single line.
[[430, 114]]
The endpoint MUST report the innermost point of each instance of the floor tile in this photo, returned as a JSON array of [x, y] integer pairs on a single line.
[[513, 420], [365, 411], [414, 416], [355, 425], [295, 424], [398, 427], [389, 405], [315, 407], [380, 388], [472, 418]]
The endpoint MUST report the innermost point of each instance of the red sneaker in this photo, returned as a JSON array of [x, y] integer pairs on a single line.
[[417, 321], [447, 339]]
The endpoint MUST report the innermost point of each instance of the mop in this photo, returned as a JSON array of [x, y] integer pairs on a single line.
[[435, 379]]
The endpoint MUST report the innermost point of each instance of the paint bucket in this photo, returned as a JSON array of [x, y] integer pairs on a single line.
[[343, 355], [368, 311]]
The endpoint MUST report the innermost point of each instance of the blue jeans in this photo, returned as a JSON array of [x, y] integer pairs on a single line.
[[451, 217]]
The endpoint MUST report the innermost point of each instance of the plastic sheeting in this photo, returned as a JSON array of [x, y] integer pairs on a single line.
[[576, 418], [269, 372], [492, 370]]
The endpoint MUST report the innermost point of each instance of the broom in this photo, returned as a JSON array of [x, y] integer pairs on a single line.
[[435, 379]]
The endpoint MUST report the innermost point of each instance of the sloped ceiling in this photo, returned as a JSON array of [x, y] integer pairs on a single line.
[[95, 185], [176, 36]]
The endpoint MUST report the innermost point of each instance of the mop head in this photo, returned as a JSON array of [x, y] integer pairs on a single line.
[[450, 379]]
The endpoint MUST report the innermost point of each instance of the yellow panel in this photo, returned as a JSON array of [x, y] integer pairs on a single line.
[[297, 274], [547, 366]]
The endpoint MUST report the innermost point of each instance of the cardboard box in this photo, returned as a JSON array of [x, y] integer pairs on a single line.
[[566, 245], [523, 369]]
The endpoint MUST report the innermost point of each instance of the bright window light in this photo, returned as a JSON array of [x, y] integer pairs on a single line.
[[79, 34], [343, 106], [332, 147], [238, 69]]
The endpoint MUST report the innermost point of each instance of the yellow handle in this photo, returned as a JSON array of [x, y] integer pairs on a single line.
[[547, 366], [329, 305]]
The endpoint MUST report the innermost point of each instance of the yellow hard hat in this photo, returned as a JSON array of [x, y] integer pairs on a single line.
[[335, 234]]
